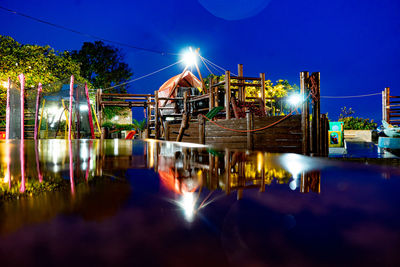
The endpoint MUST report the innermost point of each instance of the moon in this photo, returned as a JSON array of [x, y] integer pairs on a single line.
[[234, 9]]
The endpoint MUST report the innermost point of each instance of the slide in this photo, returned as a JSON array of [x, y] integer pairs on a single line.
[[130, 135]]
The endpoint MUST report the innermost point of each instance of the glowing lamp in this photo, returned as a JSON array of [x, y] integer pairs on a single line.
[[189, 57], [295, 99]]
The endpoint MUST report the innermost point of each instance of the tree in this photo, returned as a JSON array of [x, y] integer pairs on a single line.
[[38, 63], [102, 65], [281, 89]]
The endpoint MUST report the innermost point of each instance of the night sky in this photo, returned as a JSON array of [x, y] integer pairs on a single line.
[[354, 44]]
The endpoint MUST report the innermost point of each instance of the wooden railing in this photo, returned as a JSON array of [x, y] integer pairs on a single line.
[[390, 107]]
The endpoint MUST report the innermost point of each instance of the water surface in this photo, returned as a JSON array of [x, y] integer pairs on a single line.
[[121, 202]]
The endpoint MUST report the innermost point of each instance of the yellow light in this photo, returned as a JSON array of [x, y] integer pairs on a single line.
[[6, 177], [151, 154], [4, 84], [260, 161]]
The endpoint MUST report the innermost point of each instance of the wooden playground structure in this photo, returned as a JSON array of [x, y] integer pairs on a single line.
[[220, 114], [232, 119]]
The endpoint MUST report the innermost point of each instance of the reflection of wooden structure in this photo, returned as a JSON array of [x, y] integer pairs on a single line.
[[232, 170]]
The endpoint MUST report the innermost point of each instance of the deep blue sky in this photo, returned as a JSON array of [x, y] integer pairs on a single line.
[[354, 44]]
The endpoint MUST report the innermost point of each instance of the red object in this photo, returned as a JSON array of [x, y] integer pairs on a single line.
[[37, 111], [21, 78], [2, 135], [71, 96], [90, 112], [188, 80], [130, 135], [8, 110]]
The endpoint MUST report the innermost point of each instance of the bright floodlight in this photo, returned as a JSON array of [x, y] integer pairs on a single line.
[[295, 99], [189, 58]]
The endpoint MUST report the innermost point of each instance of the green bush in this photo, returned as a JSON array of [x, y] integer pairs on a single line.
[[117, 126], [355, 123]]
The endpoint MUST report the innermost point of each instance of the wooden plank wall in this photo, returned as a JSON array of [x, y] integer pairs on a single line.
[[219, 137], [190, 135], [286, 136]]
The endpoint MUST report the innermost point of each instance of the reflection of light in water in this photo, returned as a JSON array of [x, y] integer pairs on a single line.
[[91, 164], [56, 167], [260, 161], [293, 184], [293, 163], [71, 168], [56, 151], [190, 145], [151, 153], [84, 166], [6, 161], [84, 152], [116, 147], [187, 204]]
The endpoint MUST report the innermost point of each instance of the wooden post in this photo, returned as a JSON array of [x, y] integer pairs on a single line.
[[185, 101], [316, 116], [241, 96], [202, 123], [262, 88], [326, 136], [99, 112], [185, 117], [166, 131], [305, 117], [157, 122], [387, 104], [249, 122], [384, 105], [148, 114], [198, 71], [227, 87], [318, 112], [321, 139], [211, 94]]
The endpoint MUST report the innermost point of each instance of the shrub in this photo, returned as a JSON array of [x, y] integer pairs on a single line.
[[355, 123]]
